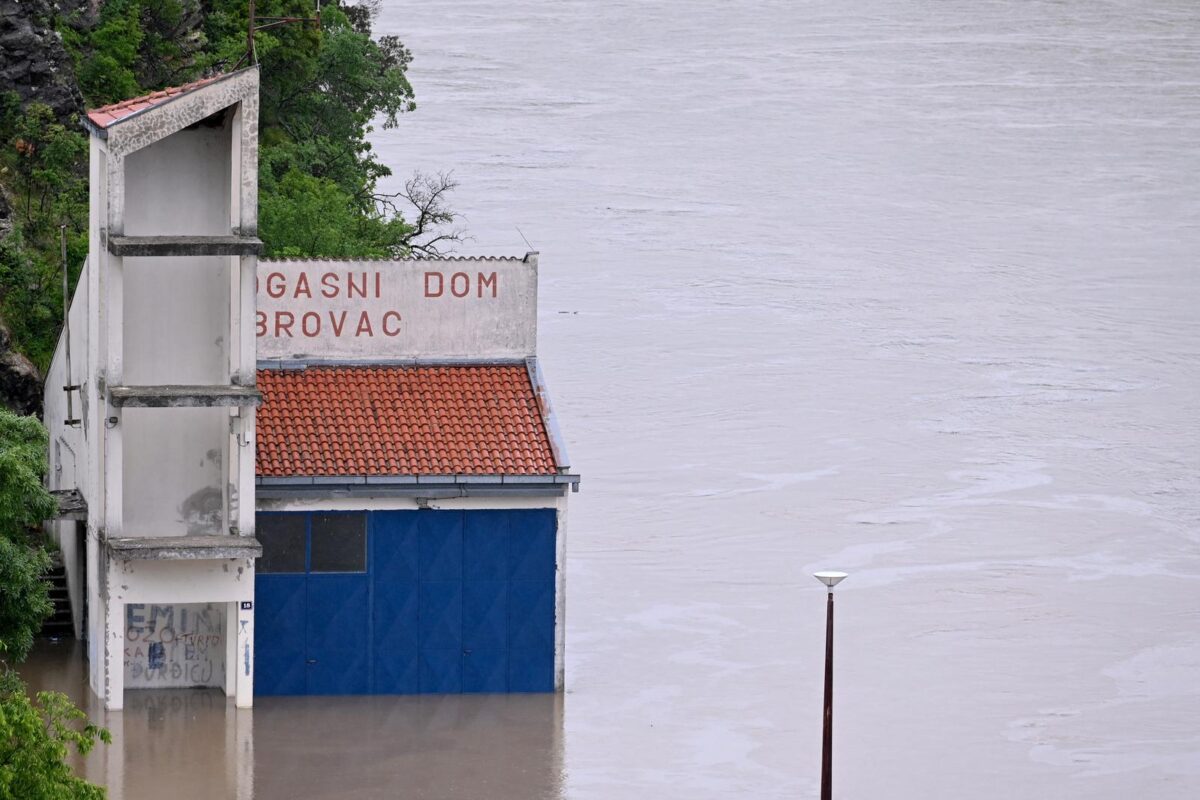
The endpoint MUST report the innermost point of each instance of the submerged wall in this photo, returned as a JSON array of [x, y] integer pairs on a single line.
[[171, 646]]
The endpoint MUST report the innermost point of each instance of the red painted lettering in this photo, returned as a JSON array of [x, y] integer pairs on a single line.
[[486, 281], [429, 291], [364, 325], [378, 285], [280, 327], [276, 285], [387, 316], [316, 324], [350, 286], [260, 326], [466, 284], [337, 323], [302, 286], [329, 285]]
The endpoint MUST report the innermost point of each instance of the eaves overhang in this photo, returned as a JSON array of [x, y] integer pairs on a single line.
[[549, 420], [417, 485], [149, 103]]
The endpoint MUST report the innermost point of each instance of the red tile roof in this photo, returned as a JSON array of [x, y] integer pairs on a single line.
[[449, 420], [108, 115]]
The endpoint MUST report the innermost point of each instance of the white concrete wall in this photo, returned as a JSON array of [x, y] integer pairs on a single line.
[[94, 413], [176, 331], [174, 645], [67, 445], [478, 308], [168, 321], [174, 471], [214, 588], [176, 322]]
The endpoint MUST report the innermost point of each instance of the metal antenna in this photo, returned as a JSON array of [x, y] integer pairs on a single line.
[[253, 27], [530, 246]]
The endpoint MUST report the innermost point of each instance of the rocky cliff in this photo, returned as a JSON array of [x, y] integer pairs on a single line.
[[34, 64], [33, 61], [20, 383]]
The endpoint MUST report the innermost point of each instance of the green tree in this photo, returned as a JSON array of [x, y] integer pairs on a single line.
[[34, 734], [24, 503], [43, 164], [322, 89], [106, 57], [34, 739], [306, 217]]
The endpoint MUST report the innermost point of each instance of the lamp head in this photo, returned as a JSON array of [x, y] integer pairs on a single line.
[[830, 579]]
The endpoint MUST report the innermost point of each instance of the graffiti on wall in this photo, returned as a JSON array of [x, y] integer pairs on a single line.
[[175, 645]]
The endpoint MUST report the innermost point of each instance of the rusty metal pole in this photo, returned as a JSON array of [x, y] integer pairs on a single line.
[[250, 36], [827, 734], [830, 579]]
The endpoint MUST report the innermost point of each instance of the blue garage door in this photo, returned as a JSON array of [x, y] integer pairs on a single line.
[[406, 602]]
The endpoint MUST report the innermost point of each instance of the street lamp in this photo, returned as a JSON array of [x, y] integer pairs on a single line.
[[830, 579]]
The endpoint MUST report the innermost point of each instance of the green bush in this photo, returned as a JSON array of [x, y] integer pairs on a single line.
[[34, 734], [35, 737]]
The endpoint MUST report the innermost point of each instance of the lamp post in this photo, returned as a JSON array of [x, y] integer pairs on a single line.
[[830, 579]]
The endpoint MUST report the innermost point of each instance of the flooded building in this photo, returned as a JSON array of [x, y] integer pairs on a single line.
[[294, 477], [411, 482]]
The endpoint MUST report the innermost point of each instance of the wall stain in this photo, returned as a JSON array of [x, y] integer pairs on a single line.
[[201, 511]]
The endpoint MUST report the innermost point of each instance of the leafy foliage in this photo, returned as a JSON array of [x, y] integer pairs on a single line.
[[44, 167], [308, 217], [24, 601], [34, 739], [34, 734], [322, 90], [24, 503]]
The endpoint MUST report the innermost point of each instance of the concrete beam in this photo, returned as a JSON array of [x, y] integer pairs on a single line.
[[184, 396], [185, 245], [184, 547], [71, 504]]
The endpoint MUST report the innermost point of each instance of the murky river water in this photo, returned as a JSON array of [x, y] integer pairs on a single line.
[[904, 288]]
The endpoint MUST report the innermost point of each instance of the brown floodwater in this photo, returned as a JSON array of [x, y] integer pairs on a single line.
[[906, 289], [193, 744]]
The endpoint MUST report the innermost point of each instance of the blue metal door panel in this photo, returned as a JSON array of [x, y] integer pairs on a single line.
[[452, 601], [485, 635], [531, 563], [531, 636], [279, 666], [394, 626], [530, 670], [440, 551], [441, 615], [531, 551], [395, 633], [441, 672], [485, 671], [338, 615], [485, 615], [485, 545], [394, 545], [440, 634]]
